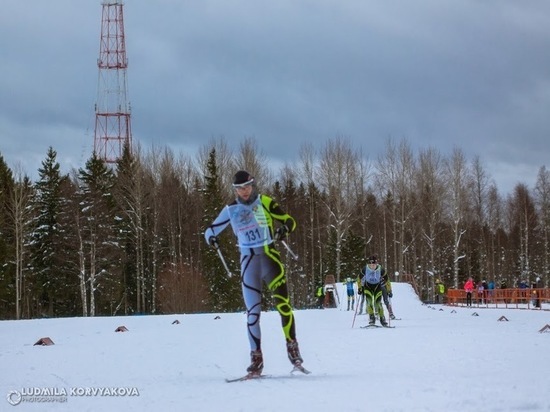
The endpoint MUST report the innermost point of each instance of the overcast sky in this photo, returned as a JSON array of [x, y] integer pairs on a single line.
[[474, 74]]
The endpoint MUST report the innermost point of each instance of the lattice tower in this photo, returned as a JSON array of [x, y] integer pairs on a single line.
[[112, 109]]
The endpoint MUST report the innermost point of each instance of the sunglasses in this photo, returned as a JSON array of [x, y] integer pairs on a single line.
[[242, 185]]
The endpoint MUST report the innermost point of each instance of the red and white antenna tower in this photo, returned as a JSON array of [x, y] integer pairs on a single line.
[[112, 109]]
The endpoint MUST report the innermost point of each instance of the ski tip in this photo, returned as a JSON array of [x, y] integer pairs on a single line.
[[300, 368], [247, 377]]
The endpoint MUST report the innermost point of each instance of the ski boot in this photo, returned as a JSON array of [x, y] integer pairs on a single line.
[[383, 321], [372, 320], [256, 363], [392, 316], [294, 353]]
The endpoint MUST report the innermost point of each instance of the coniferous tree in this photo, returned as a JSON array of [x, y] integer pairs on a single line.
[[352, 254], [98, 231], [130, 196], [224, 292], [47, 257], [7, 252]]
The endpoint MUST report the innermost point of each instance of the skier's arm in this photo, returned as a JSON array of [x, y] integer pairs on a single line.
[[383, 277], [218, 225], [389, 289], [278, 214]]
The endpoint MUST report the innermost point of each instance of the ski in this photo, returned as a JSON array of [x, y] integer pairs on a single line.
[[247, 377], [300, 368], [376, 326], [253, 376]]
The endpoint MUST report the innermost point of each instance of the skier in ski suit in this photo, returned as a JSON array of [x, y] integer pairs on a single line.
[[372, 277], [350, 290], [320, 293], [251, 216], [439, 291]]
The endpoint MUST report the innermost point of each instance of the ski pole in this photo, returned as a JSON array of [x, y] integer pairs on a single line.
[[389, 309], [229, 274], [374, 305], [355, 315], [294, 255]]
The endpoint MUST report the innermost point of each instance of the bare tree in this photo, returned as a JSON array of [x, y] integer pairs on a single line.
[[131, 194], [364, 213], [19, 211], [456, 179], [225, 160], [495, 212], [542, 195], [431, 190], [395, 177], [312, 238], [337, 175], [478, 190], [81, 252], [253, 160], [523, 224]]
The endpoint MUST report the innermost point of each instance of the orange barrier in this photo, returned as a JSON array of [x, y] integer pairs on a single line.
[[508, 298]]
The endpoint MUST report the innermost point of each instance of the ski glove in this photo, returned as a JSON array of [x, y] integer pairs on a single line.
[[214, 242], [390, 294], [281, 233]]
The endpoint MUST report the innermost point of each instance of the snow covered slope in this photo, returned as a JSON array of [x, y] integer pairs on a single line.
[[436, 359]]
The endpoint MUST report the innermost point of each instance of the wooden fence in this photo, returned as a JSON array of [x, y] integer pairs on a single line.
[[507, 298]]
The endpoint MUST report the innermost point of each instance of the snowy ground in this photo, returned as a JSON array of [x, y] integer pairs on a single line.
[[437, 358]]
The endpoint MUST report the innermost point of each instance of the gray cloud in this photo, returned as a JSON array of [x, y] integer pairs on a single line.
[[466, 73]]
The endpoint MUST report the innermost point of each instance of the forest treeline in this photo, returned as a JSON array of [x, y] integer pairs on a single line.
[[127, 238]]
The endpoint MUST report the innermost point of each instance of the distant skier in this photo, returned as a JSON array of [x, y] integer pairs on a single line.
[[439, 291], [252, 217], [320, 294], [350, 290], [371, 278], [469, 288], [330, 296]]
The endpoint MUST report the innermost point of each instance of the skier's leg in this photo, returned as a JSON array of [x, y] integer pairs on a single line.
[[387, 302], [385, 296], [282, 304], [369, 298], [380, 308], [252, 294], [274, 276], [276, 281]]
